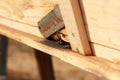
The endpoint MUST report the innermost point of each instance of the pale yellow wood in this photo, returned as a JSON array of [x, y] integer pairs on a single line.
[[98, 66], [21, 26], [71, 14], [27, 11], [106, 52], [103, 19]]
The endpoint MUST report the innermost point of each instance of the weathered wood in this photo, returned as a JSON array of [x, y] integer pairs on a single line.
[[45, 65], [98, 66], [51, 23], [103, 18], [3, 57], [75, 27]]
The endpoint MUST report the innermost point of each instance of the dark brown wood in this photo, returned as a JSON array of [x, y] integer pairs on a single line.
[[3, 57], [45, 65]]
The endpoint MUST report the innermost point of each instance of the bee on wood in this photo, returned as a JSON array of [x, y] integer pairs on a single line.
[[61, 38]]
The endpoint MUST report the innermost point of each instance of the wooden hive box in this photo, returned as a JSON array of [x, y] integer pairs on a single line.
[[92, 26]]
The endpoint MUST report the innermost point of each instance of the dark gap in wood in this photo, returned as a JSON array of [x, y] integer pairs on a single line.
[[83, 14], [59, 42]]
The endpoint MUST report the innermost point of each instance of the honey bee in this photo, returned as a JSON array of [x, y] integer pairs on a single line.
[[61, 38]]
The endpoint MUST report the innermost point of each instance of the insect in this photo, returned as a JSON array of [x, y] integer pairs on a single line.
[[61, 38]]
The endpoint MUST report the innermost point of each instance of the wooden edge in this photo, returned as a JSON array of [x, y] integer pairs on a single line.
[[75, 27], [34, 30], [106, 52], [92, 64]]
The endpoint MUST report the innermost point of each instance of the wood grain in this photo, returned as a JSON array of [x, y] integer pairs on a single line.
[[98, 66]]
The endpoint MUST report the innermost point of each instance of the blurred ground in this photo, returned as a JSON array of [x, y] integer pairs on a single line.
[[22, 65]]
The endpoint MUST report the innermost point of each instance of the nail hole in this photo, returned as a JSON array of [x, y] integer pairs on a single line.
[[77, 50], [39, 27], [73, 34]]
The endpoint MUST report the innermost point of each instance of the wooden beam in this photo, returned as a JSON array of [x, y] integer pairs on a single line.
[[75, 27], [98, 66], [3, 57], [23, 27], [45, 65]]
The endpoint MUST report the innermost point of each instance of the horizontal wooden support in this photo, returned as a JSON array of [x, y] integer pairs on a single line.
[[98, 66]]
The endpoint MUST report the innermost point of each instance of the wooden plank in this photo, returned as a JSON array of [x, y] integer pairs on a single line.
[[3, 57], [75, 27], [22, 27], [106, 52], [51, 23], [98, 66], [26, 11], [45, 65], [103, 18]]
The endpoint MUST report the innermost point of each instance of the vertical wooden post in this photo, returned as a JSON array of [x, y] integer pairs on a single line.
[[3, 57], [72, 16], [45, 65]]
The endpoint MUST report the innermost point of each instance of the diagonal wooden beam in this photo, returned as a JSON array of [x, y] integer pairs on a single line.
[[75, 27]]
